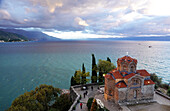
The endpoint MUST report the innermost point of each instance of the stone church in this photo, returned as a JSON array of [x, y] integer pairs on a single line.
[[127, 84]]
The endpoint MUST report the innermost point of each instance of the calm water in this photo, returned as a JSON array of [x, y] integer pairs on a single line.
[[23, 66]]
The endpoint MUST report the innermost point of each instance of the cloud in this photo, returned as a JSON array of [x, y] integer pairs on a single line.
[[80, 21], [50, 4], [102, 17], [4, 15]]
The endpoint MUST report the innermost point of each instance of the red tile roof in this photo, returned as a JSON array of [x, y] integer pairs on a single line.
[[129, 75], [121, 84], [113, 70], [127, 59], [143, 72], [117, 75], [148, 82], [108, 76], [124, 73]]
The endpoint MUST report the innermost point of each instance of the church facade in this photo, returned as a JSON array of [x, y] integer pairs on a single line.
[[127, 84]]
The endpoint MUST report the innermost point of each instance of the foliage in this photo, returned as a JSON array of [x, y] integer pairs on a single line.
[[156, 79], [89, 103], [40, 99], [62, 103], [80, 77], [101, 78], [108, 59], [165, 86], [94, 70], [104, 67], [83, 77], [168, 92], [73, 82], [9, 37], [94, 105]]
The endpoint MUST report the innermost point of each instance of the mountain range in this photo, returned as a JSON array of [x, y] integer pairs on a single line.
[[11, 37], [32, 35]]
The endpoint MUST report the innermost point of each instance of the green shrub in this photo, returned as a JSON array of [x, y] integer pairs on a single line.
[[89, 103], [165, 86], [74, 108], [168, 92]]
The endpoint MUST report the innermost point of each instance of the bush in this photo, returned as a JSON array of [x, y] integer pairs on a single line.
[[89, 103], [168, 92], [156, 79], [165, 86], [80, 97], [74, 108]]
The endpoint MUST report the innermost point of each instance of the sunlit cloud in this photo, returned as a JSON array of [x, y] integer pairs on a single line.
[[78, 35], [4, 14], [81, 21]]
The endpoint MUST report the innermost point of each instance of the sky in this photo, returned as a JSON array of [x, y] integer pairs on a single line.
[[81, 19]]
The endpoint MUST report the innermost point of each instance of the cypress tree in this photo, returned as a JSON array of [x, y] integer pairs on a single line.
[[108, 59], [72, 81], [101, 78], [94, 70], [83, 74], [83, 69]]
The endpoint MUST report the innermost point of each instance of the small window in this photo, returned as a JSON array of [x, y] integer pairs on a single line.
[[124, 67], [110, 92], [135, 82]]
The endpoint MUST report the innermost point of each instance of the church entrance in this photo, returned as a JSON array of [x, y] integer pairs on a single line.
[[135, 94]]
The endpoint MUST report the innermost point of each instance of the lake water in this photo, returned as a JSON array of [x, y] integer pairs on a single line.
[[25, 65]]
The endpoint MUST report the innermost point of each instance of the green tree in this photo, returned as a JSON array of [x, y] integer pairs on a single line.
[[156, 79], [73, 82], [168, 92], [80, 77], [108, 59], [94, 70], [62, 103], [104, 67], [94, 105], [89, 103], [83, 75], [101, 78], [36, 100]]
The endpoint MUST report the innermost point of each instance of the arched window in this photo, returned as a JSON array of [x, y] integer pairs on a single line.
[[135, 82], [124, 68], [132, 68]]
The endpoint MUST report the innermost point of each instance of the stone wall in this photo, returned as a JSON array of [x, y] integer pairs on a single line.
[[109, 89], [148, 91], [122, 94]]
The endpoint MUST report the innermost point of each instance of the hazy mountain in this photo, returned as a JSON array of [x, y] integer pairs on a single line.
[[32, 35], [9, 37], [165, 38]]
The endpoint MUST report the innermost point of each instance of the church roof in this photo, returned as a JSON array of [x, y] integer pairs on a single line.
[[108, 76], [127, 59], [117, 75], [129, 75], [121, 84], [148, 82], [143, 72]]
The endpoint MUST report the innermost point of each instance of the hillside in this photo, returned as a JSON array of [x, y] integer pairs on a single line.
[[10, 37], [33, 35]]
